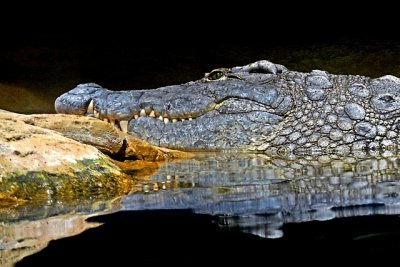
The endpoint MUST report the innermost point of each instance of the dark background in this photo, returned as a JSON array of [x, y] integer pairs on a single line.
[[184, 239], [37, 64]]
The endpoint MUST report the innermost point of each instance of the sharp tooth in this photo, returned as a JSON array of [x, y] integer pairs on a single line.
[[155, 187], [166, 120], [174, 120], [90, 108], [152, 114], [96, 114], [142, 113], [105, 119], [190, 119], [136, 116], [124, 126], [161, 118], [182, 119]]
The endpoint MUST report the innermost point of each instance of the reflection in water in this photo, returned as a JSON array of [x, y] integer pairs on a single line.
[[27, 235], [21, 239], [258, 194]]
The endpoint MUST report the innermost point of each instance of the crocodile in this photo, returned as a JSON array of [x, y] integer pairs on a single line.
[[261, 106]]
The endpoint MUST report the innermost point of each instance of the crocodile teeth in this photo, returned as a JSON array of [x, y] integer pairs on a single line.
[[136, 116], [90, 108], [161, 118], [152, 114], [96, 114], [182, 119], [174, 120], [190, 119], [166, 120], [142, 113], [105, 119], [124, 126]]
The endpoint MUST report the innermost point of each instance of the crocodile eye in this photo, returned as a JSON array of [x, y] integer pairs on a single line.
[[387, 98], [215, 75]]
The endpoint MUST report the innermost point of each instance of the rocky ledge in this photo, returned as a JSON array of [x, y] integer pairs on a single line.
[[64, 157]]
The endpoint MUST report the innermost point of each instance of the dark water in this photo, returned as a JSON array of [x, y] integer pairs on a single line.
[[230, 207], [180, 236]]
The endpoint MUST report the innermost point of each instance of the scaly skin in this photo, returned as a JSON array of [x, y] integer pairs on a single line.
[[261, 106]]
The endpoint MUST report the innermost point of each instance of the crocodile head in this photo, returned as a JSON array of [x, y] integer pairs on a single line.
[[228, 108], [260, 106]]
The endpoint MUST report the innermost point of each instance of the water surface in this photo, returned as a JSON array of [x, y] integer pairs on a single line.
[[241, 206], [259, 195]]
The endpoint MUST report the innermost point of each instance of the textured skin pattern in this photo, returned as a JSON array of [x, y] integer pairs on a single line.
[[261, 106]]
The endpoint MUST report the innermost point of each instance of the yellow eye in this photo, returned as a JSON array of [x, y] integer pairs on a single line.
[[215, 75]]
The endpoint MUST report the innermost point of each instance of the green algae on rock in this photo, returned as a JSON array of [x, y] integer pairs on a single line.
[[37, 163], [92, 179]]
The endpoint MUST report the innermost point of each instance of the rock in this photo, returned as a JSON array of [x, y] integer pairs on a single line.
[[140, 149], [37, 163], [90, 131], [59, 157], [104, 136]]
